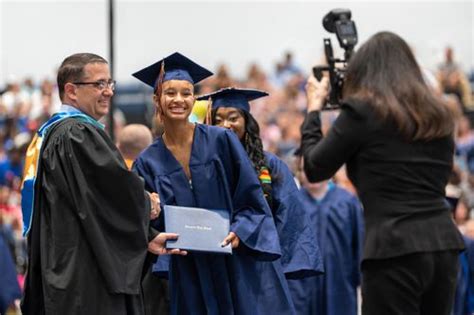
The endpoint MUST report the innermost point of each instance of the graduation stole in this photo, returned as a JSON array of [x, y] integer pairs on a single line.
[[264, 176], [31, 162]]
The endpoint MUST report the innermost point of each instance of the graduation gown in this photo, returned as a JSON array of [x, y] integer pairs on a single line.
[[88, 237], [9, 288], [338, 222], [247, 282], [464, 298], [300, 252]]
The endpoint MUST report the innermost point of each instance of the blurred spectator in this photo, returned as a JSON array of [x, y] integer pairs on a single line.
[[254, 75], [285, 70], [9, 288], [14, 98], [467, 187], [222, 78], [132, 140], [119, 121], [257, 79], [469, 228], [465, 144], [11, 225], [289, 123], [455, 106], [45, 102], [453, 80], [290, 65], [11, 168]]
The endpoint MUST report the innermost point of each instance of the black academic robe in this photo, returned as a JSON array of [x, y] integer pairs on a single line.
[[88, 237]]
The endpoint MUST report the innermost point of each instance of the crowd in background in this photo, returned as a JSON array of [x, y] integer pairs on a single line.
[[25, 105]]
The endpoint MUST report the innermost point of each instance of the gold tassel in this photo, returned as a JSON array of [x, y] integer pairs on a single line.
[[208, 112]]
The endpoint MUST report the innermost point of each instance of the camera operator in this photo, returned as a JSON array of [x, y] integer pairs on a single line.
[[396, 138]]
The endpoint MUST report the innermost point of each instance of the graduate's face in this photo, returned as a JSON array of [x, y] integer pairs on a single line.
[[90, 98], [177, 99], [231, 118]]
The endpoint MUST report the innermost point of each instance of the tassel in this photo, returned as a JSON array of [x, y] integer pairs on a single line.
[[208, 119]]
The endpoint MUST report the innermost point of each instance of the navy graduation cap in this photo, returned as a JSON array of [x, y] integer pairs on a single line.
[[233, 97], [177, 67]]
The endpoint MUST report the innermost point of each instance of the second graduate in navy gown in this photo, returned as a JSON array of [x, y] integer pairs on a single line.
[[204, 166], [300, 252]]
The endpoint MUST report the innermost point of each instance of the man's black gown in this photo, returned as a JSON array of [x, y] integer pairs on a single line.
[[88, 237]]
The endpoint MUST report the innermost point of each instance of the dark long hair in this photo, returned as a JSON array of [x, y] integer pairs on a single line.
[[253, 146], [384, 74]]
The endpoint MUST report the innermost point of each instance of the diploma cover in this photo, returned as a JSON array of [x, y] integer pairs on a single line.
[[201, 230]]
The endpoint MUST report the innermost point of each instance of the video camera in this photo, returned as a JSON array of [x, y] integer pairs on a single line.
[[337, 21]]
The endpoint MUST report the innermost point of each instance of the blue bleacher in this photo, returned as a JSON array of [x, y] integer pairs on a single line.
[[135, 101]]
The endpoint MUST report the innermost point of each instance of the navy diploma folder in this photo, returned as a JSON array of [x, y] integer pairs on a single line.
[[201, 230]]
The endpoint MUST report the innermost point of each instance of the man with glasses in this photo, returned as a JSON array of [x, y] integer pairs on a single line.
[[86, 216]]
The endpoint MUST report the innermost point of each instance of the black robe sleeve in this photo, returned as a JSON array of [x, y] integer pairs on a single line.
[[323, 156]]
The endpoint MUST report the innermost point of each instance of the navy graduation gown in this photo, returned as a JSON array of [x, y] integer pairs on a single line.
[[300, 252], [338, 222], [470, 263], [9, 288], [464, 298], [247, 282]]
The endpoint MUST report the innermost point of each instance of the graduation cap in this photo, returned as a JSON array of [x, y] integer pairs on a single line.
[[233, 97], [176, 67]]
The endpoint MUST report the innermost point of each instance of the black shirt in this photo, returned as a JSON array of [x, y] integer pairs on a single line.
[[401, 183]]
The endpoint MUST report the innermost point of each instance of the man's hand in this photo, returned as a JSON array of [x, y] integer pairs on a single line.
[[316, 93], [155, 205], [231, 238], [157, 245]]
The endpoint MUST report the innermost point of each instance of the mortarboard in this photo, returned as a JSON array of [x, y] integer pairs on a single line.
[[177, 67], [233, 97]]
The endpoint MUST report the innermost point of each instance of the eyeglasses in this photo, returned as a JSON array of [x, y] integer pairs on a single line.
[[100, 85]]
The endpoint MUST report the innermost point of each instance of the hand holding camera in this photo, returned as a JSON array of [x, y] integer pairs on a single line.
[[316, 93]]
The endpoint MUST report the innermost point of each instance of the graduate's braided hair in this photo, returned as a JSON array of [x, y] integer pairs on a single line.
[[253, 146]]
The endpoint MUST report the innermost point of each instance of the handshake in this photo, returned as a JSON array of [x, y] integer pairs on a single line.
[[157, 245], [155, 205]]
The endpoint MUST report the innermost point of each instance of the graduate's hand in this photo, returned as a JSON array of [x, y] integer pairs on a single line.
[[231, 238], [155, 206], [316, 93], [157, 245]]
